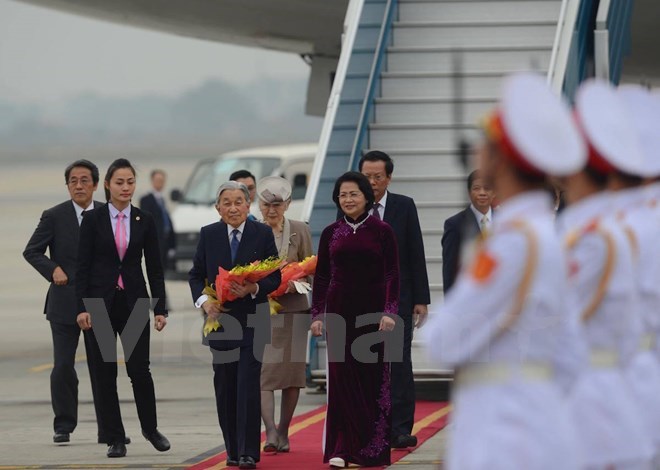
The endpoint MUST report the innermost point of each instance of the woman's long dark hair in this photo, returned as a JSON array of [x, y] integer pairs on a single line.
[[114, 166]]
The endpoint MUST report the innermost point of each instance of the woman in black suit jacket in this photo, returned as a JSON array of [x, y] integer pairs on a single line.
[[111, 285]]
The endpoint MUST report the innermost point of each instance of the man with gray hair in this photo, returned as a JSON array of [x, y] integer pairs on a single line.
[[234, 241]]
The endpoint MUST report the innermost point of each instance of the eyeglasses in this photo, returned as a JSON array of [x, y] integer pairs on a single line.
[[377, 178], [82, 181], [353, 195]]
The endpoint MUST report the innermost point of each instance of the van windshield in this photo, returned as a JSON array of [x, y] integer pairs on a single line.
[[209, 175]]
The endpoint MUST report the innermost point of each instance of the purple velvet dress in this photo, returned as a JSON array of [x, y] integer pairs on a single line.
[[357, 273]]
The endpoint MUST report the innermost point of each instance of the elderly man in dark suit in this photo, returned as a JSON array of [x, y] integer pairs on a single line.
[[154, 203], [233, 241], [58, 231], [400, 212], [464, 227]]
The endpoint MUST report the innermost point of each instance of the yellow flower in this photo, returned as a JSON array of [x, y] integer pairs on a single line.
[[211, 324], [274, 305]]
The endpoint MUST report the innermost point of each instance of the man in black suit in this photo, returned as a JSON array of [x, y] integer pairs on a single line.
[[400, 212], [154, 203], [58, 231], [237, 354], [464, 227]]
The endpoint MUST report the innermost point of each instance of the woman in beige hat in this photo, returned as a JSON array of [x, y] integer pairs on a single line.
[[284, 359]]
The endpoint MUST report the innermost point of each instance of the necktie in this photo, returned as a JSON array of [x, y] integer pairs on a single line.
[[484, 224], [120, 242], [167, 225], [375, 212], [82, 216], [234, 244]]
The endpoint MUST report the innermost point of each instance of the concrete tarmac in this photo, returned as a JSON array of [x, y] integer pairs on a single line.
[[181, 366]]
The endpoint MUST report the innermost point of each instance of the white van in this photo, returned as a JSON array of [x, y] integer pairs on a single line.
[[195, 206]]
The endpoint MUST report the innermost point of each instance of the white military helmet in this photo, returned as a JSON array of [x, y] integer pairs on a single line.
[[535, 128]]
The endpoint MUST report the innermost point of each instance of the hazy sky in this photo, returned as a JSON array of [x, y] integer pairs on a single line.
[[46, 55]]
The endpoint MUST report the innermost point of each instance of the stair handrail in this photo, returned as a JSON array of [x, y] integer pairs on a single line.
[[374, 76], [351, 24], [561, 47], [611, 37], [602, 42]]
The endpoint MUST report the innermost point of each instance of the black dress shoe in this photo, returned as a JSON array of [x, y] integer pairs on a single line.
[[60, 437], [246, 462], [117, 450], [105, 440], [403, 441], [157, 440], [232, 463]]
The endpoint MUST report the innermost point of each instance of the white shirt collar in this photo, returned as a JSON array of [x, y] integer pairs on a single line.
[[479, 215], [79, 210], [114, 211], [240, 229], [383, 201]]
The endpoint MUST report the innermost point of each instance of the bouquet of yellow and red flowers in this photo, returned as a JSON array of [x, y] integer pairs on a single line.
[[293, 272], [220, 292]]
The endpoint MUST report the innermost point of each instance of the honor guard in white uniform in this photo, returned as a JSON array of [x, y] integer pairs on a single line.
[[609, 424], [506, 326], [641, 221], [645, 108]]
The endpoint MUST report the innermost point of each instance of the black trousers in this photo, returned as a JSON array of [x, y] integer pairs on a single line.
[[64, 380], [238, 400], [403, 382], [137, 367]]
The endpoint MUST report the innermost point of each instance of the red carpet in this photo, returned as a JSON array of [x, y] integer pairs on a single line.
[[306, 434]]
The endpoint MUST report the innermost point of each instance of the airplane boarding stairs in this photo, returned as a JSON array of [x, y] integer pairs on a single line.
[[403, 94]]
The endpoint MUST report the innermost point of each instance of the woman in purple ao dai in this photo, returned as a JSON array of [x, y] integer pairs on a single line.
[[357, 273]]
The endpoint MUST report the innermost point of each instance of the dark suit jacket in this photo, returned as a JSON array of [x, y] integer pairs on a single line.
[[401, 215], [99, 265], [58, 231], [459, 228], [149, 204], [213, 251]]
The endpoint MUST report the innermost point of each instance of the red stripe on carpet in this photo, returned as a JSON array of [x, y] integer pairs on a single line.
[[306, 435]]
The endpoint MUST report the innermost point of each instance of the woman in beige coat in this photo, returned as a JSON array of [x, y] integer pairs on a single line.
[[284, 359]]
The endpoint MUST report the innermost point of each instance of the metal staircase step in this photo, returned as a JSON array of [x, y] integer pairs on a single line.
[[430, 188], [479, 10], [418, 136], [473, 60], [473, 34], [438, 85], [432, 242], [435, 161], [434, 269], [432, 215], [437, 296], [430, 110]]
